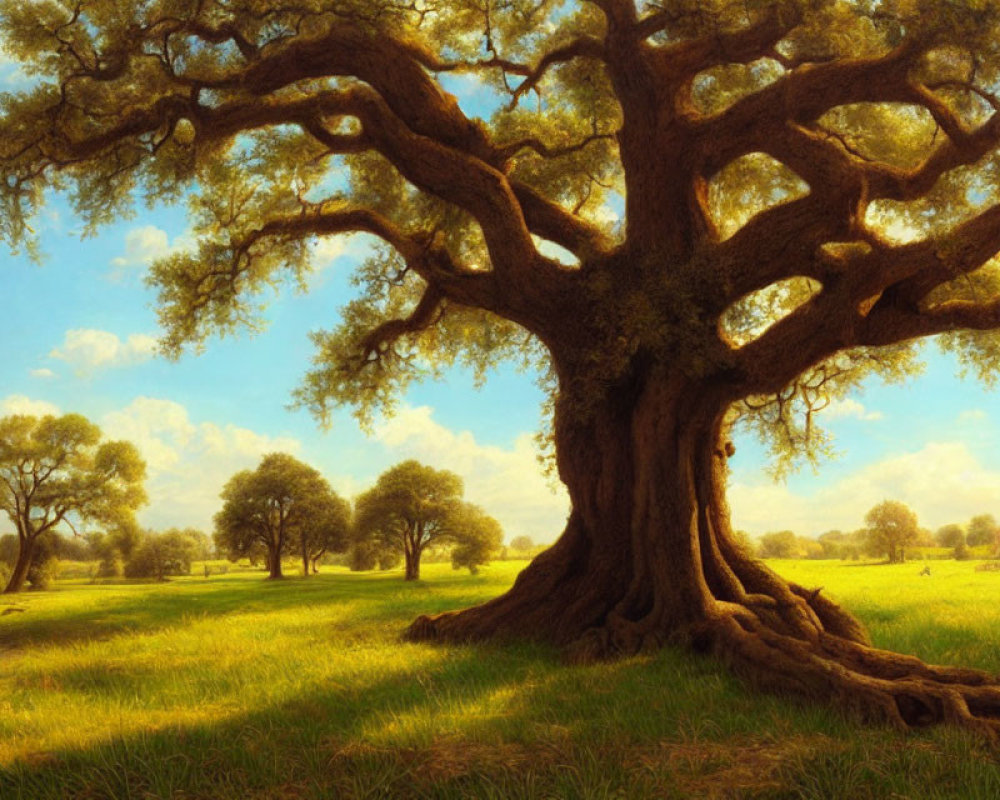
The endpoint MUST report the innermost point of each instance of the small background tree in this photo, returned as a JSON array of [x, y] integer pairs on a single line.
[[160, 555], [779, 544], [892, 527], [324, 526], [982, 530], [265, 511], [949, 535], [522, 544], [413, 506], [55, 471], [478, 537]]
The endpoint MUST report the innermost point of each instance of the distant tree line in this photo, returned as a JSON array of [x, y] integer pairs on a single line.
[[285, 506], [72, 496], [891, 529]]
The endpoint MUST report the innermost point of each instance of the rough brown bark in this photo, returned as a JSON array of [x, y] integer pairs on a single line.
[[274, 564], [21, 566], [648, 558], [412, 562]]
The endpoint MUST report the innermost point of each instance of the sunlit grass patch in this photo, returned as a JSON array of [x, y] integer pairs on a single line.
[[236, 687]]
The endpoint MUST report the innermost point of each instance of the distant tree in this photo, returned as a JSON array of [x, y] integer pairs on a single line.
[[961, 551], [55, 471], [522, 544], [950, 535], [71, 548], [809, 548], [892, 527], [363, 556], [323, 526], [983, 529], [744, 542], [833, 543], [265, 510], [478, 537], [924, 538], [161, 554], [411, 507], [44, 567], [202, 546], [779, 544]]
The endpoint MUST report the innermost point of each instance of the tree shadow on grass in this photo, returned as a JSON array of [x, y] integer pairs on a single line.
[[477, 721], [158, 606], [500, 721], [511, 722]]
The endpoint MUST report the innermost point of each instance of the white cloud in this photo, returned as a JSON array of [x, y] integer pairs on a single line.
[[849, 408], [329, 248], [43, 372], [187, 462], [942, 482], [86, 350], [20, 404], [973, 415], [507, 483], [145, 245]]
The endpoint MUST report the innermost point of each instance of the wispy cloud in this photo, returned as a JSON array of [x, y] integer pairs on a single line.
[[88, 350], [188, 461], [21, 404], [942, 482], [143, 246], [849, 408], [42, 372]]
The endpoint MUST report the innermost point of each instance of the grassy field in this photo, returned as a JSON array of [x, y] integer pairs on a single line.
[[233, 687]]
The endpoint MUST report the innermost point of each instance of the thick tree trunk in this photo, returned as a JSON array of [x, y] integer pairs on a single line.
[[305, 562], [648, 557], [274, 564], [21, 567], [412, 562]]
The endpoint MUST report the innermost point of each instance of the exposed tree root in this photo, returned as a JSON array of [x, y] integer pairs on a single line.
[[754, 640]]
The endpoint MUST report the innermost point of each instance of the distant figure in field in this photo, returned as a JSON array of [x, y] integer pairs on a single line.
[[926, 570]]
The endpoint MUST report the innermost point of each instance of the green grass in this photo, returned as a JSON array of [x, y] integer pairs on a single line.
[[234, 687]]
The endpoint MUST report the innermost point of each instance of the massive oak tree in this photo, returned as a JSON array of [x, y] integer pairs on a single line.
[[57, 474], [695, 213]]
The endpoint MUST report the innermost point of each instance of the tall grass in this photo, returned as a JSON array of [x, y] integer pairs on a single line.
[[236, 687]]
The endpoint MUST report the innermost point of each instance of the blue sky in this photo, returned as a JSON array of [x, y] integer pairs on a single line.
[[80, 335], [80, 332]]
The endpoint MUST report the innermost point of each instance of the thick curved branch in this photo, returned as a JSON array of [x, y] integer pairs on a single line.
[[801, 97], [782, 242], [878, 300], [893, 324], [551, 221], [724, 47], [422, 253], [582, 47], [424, 315]]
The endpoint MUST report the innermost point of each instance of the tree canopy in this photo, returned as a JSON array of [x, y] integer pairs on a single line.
[[891, 527], [413, 506], [754, 205], [282, 504], [983, 529], [56, 473]]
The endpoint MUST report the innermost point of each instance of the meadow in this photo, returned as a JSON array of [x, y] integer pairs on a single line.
[[230, 686]]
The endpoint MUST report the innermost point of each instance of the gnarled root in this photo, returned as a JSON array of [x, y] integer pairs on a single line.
[[881, 685], [762, 643]]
